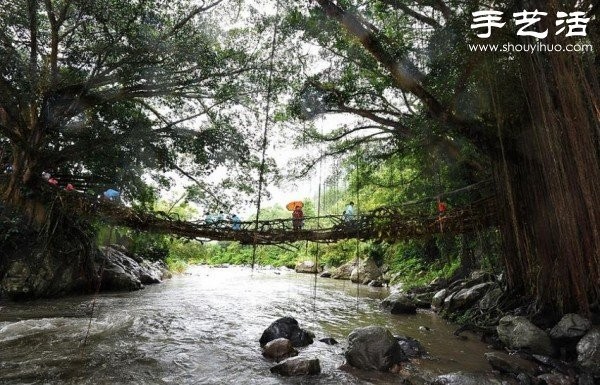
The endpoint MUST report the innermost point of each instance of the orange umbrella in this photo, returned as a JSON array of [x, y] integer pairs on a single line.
[[292, 205]]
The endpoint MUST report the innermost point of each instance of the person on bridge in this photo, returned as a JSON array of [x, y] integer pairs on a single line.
[[208, 219], [221, 218], [236, 222], [441, 205], [349, 212], [297, 218]]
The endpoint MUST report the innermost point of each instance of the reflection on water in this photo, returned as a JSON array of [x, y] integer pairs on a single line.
[[203, 328]]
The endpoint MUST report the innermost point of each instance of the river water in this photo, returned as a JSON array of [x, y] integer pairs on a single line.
[[203, 328]]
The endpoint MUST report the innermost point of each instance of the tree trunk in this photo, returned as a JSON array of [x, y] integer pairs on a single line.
[[551, 195], [19, 191]]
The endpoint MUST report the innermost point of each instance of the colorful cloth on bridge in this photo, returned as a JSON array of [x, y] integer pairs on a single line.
[[111, 194]]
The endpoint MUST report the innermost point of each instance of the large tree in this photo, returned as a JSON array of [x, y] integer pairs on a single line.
[[116, 90], [528, 120]]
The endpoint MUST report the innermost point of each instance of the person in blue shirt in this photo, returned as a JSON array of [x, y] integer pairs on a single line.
[[349, 212], [221, 218], [236, 222]]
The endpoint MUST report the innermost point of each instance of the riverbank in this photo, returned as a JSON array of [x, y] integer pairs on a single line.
[[64, 258]]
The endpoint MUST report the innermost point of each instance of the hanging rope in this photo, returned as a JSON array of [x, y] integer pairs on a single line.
[[265, 132], [441, 205], [318, 227], [357, 229], [96, 293]]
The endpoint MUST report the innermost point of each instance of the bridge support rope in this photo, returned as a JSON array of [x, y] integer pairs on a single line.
[[265, 131]]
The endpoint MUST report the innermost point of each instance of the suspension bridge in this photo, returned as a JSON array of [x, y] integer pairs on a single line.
[[391, 223]]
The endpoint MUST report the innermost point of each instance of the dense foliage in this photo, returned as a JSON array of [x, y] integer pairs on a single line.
[[116, 91]]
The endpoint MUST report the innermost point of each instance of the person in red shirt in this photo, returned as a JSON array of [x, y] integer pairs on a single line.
[[297, 218], [441, 207], [441, 211]]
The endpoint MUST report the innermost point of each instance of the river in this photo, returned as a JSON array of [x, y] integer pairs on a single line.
[[203, 328]]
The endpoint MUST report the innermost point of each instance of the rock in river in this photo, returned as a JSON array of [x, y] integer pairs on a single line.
[[279, 349], [297, 366], [373, 348], [287, 327]]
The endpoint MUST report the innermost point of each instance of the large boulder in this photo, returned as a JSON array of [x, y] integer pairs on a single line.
[[24, 279], [373, 348], [279, 349], [438, 299], [518, 332], [466, 297], [588, 351], [33, 268], [308, 267], [399, 303], [344, 271], [46, 273], [297, 366], [366, 272], [118, 271], [121, 271], [490, 299], [570, 326], [287, 327], [149, 273]]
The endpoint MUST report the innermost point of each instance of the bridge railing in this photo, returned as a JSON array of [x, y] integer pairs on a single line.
[[278, 224]]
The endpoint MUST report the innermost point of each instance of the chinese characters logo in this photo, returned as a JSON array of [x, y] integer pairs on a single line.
[[574, 22]]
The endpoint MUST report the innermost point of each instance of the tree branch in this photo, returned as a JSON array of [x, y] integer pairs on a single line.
[[403, 77], [397, 4]]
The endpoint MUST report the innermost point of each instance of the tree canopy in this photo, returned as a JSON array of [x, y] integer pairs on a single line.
[[119, 89]]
